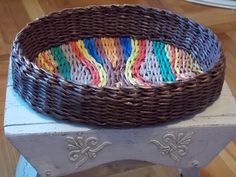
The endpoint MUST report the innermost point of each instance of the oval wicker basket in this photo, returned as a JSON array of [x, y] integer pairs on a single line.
[[113, 104]]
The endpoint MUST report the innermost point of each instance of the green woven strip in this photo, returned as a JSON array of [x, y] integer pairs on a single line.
[[165, 69], [63, 65]]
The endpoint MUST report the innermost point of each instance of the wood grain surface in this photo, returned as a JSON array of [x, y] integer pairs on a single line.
[[14, 14]]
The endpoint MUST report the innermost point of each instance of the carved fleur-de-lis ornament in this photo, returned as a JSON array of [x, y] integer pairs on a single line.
[[175, 145], [82, 149]]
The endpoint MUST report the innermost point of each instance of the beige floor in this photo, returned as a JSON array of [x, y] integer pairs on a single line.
[[14, 14]]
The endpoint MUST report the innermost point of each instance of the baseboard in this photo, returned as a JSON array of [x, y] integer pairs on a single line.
[[231, 4]]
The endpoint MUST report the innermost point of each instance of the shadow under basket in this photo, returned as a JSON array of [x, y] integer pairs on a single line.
[[117, 66]]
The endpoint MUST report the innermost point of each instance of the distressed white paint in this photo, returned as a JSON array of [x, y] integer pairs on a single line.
[[42, 139]]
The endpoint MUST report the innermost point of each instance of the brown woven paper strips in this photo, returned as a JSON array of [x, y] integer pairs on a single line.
[[155, 88]]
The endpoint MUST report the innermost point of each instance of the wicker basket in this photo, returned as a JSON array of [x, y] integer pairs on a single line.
[[113, 102]]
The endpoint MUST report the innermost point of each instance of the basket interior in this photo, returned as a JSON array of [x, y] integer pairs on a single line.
[[119, 62]]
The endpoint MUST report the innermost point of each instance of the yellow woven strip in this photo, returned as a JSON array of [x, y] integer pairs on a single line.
[[39, 61], [192, 64], [101, 71], [110, 50], [189, 63], [185, 65], [170, 55], [43, 64], [50, 58], [168, 52], [130, 62], [177, 60]]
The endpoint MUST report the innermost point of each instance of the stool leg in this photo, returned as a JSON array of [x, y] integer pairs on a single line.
[[190, 172], [24, 168]]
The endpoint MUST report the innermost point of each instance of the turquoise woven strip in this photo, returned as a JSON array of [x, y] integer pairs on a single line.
[[166, 71], [63, 65]]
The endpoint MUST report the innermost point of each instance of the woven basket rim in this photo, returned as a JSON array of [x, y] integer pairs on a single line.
[[69, 82]]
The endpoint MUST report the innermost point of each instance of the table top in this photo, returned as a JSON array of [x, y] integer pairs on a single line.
[[20, 117]]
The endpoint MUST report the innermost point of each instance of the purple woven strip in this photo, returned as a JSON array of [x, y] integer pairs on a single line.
[[150, 69], [120, 67], [111, 80]]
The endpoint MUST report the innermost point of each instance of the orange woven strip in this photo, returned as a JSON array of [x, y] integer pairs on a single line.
[[110, 50], [136, 66]]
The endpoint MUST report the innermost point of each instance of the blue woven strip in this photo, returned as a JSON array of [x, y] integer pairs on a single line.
[[126, 45], [165, 69], [90, 46]]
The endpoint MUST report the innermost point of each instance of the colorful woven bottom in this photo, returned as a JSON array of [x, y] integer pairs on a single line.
[[119, 62]]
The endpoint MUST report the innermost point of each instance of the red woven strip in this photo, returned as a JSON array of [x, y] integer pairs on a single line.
[[92, 69], [138, 62], [48, 62]]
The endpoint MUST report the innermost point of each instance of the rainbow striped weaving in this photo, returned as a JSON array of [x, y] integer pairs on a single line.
[[119, 62]]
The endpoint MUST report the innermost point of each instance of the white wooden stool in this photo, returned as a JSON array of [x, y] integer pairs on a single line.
[[57, 148]]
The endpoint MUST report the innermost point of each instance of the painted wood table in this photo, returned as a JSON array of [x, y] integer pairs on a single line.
[[59, 148]]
